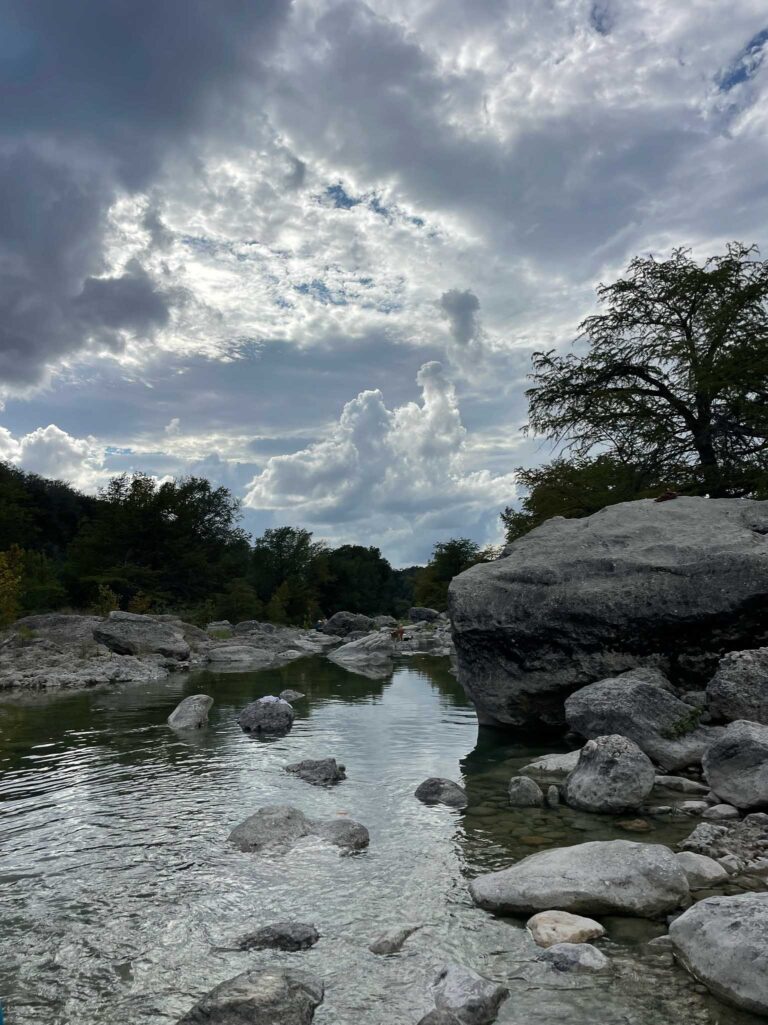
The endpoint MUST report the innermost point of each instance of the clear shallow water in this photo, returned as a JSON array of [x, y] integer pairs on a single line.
[[117, 884]]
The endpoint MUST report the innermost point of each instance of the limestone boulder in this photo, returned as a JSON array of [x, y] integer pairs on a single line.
[[670, 584], [612, 775], [258, 996], [739, 688], [736, 765], [129, 634]]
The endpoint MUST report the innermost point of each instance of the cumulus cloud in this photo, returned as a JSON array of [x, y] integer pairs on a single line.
[[51, 452], [391, 476]]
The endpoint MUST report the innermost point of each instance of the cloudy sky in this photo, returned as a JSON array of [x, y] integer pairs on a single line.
[[306, 248]]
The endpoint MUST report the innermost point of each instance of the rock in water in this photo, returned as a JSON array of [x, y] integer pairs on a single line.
[[723, 942], [470, 998], [259, 997], [280, 825], [612, 775], [525, 792], [579, 600], [739, 688], [736, 765], [640, 705], [191, 713], [574, 957], [441, 791], [391, 941], [601, 877], [321, 772], [553, 765], [267, 715], [291, 695], [551, 927], [290, 936], [128, 634], [370, 655]]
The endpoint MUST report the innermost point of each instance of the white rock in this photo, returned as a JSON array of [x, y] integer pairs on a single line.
[[701, 871], [551, 927]]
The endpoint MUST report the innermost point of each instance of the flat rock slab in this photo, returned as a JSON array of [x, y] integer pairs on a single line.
[[321, 772], [259, 997], [256, 658], [601, 877], [436, 790], [128, 634], [553, 765], [723, 942], [191, 713], [280, 826]]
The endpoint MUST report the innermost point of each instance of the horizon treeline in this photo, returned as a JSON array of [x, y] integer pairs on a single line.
[[176, 547]]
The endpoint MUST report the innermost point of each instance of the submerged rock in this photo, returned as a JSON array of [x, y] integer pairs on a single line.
[[280, 825], [469, 997], [291, 695], [191, 713], [600, 877], [739, 688], [553, 765], [370, 655], [391, 941], [525, 793], [441, 791], [639, 705], [267, 715], [612, 775], [129, 634], [256, 658], [736, 765], [290, 936], [574, 957], [551, 927], [578, 600], [319, 771], [272, 995], [723, 942]]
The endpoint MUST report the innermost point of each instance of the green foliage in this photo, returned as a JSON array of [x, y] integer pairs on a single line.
[[11, 575], [105, 602], [238, 602], [579, 487], [673, 376], [449, 558], [277, 607], [686, 724]]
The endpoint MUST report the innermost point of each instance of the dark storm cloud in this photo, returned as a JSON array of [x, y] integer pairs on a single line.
[[95, 96]]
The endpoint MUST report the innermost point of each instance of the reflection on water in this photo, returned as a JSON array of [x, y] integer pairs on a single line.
[[117, 886]]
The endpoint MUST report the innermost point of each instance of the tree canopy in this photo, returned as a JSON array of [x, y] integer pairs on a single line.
[[673, 376]]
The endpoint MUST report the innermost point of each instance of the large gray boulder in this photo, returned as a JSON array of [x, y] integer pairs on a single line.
[[191, 713], [342, 623], [259, 997], [129, 634], [723, 942], [640, 705], [612, 775], [601, 877], [58, 627], [469, 997], [739, 688], [578, 600], [267, 715], [736, 765]]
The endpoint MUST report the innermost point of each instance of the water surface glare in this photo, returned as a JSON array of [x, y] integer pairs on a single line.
[[119, 891]]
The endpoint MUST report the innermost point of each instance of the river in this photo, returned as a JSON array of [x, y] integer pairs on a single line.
[[118, 889]]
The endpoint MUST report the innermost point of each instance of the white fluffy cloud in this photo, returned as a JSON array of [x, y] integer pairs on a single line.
[[392, 477], [53, 453]]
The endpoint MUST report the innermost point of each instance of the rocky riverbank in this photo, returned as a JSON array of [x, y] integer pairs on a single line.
[[61, 652]]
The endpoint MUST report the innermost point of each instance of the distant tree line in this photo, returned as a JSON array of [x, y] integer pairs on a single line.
[[176, 546]]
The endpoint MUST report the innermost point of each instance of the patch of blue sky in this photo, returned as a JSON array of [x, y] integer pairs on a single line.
[[318, 290], [341, 198], [601, 17], [746, 64]]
